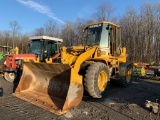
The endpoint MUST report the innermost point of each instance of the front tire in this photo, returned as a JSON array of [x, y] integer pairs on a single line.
[[96, 80], [10, 76]]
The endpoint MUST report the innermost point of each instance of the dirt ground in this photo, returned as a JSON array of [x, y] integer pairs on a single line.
[[120, 104]]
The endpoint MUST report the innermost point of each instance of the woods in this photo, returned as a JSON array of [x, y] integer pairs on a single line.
[[140, 31]]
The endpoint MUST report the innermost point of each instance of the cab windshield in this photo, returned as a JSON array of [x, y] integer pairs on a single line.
[[94, 34], [98, 35], [36, 47]]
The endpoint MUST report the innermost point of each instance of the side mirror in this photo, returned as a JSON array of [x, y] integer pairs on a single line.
[[107, 28]]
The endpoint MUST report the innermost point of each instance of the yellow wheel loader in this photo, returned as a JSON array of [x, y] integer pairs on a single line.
[[58, 87]]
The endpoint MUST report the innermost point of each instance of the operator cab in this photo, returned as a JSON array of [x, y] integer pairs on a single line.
[[105, 34], [44, 46]]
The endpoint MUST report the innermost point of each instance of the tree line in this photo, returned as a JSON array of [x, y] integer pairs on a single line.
[[140, 31]]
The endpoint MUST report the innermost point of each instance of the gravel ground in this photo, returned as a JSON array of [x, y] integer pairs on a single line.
[[120, 104]]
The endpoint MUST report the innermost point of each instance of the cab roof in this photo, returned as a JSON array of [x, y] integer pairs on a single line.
[[46, 38], [104, 22]]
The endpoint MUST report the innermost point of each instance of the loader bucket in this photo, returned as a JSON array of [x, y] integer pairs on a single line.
[[48, 86]]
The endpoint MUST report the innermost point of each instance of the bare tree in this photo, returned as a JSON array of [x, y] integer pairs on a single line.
[[104, 12], [141, 32], [39, 31], [23, 44], [79, 26], [51, 29], [147, 16], [15, 27], [129, 33], [5, 38], [156, 38], [68, 34]]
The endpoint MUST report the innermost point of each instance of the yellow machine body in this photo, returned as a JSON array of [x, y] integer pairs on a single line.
[[58, 87]]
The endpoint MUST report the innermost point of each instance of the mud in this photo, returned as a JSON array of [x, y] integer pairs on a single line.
[[120, 104]]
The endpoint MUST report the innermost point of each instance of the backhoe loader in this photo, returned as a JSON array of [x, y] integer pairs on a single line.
[[59, 87]]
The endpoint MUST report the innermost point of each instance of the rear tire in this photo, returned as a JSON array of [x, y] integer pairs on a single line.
[[125, 74], [10, 76], [96, 80]]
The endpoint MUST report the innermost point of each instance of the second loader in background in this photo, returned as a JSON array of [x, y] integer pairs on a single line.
[[58, 87], [40, 49]]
